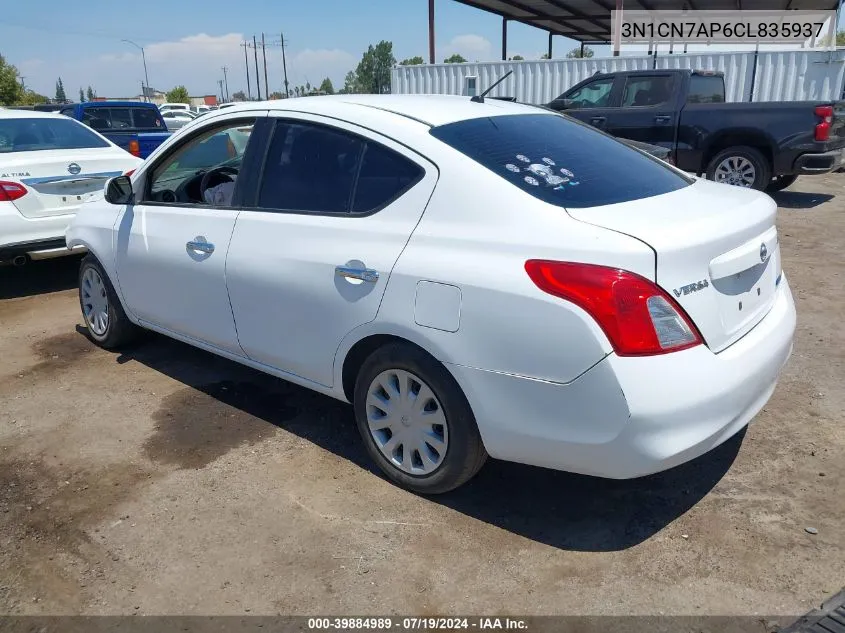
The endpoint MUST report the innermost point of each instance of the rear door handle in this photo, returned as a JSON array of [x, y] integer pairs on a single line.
[[200, 244], [596, 120], [364, 274], [662, 118]]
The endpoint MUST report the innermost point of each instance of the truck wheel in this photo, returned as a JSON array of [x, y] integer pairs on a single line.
[[741, 166], [779, 183]]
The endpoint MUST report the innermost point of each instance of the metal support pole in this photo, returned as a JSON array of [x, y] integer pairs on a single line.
[[431, 32], [753, 74], [617, 41], [504, 39], [581, 56], [257, 76], [246, 63], [550, 44]]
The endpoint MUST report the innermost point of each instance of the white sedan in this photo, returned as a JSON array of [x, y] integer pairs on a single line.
[[176, 119], [475, 278], [49, 165]]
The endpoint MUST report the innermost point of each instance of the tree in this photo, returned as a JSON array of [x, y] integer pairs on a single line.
[[454, 59], [308, 86], [61, 97], [296, 90], [178, 95], [302, 92], [10, 89], [277, 95], [239, 96], [412, 61], [840, 38], [90, 94], [545, 56], [350, 84], [327, 87], [576, 53], [373, 71], [517, 58], [28, 97], [81, 95]]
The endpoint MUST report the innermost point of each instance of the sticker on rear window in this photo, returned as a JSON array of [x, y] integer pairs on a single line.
[[566, 172], [548, 161], [513, 168], [523, 158], [532, 181]]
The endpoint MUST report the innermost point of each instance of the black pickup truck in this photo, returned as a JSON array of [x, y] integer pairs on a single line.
[[764, 145]]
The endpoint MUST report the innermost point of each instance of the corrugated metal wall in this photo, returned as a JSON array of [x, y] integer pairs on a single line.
[[781, 76]]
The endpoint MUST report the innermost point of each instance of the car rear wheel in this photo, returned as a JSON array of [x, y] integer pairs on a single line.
[[415, 421], [779, 183], [741, 166], [107, 323]]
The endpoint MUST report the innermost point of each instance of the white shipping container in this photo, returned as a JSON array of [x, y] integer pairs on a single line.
[[780, 76]]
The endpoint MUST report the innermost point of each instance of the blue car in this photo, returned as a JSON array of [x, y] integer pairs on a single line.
[[132, 125]]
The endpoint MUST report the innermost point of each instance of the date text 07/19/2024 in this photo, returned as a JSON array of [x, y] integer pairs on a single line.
[[415, 624]]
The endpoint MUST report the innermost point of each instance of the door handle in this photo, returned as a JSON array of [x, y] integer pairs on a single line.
[[200, 244], [598, 119], [364, 274], [662, 118]]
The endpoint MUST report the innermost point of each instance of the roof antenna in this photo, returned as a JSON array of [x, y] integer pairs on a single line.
[[480, 98]]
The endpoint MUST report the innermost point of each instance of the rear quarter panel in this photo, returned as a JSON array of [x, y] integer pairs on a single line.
[[477, 232]]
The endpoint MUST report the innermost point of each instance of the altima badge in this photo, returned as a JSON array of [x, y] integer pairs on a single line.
[[693, 287]]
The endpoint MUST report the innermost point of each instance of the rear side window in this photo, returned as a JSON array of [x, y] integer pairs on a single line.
[[706, 89], [560, 161], [31, 135], [146, 119], [384, 176]]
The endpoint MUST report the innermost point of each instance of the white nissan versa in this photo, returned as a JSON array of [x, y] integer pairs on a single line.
[[476, 278]]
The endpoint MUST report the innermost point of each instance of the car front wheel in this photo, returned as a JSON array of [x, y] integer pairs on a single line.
[[107, 323], [415, 421]]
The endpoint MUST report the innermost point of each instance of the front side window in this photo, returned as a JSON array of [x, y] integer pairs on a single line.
[[560, 161], [646, 91], [204, 169], [595, 94], [36, 134]]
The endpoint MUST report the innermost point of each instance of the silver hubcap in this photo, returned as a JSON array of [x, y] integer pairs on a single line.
[[407, 422], [95, 302], [736, 170]]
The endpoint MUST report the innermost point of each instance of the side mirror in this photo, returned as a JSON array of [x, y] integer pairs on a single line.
[[119, 190], [562, 104]]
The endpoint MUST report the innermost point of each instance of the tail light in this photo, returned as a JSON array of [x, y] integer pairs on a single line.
[[825, 112], [134, 148], [11, 191], [637, 316]]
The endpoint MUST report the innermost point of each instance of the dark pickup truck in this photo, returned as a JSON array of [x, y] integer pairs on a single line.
[[764, 145], [136, 127]]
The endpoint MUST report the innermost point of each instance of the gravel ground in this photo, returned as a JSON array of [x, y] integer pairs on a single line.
[[164, 480]]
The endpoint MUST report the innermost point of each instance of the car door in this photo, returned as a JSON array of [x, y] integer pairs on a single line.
[[647, 110], [590, 102], [310, 260], [172, 243]]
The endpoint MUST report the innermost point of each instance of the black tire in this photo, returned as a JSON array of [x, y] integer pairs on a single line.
[[120, 330], [779, 183], [465, 454], [762, 169]]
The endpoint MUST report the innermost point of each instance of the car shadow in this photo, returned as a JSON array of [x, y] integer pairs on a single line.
[[39, 277], [564, 510], [800, 199]]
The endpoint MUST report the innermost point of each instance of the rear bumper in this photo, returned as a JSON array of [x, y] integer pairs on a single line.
[[820, 163], [20, 235], [629, 417]]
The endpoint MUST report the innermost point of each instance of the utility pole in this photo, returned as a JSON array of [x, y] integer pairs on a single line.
[[220, 83], [246, 63], [285, 66], [23, 84], [264, 53], [226, 82], [257, 80], [144, 58]]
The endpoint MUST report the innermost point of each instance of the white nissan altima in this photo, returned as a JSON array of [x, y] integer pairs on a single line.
[[49, 166], [475, 278]]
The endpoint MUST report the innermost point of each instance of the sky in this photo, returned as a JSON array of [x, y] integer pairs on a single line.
[[189, 41]]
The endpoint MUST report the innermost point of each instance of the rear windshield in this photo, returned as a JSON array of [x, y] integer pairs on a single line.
[[111, 118], [560, 161], [31, 135]]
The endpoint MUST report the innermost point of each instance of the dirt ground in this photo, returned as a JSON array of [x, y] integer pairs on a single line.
[[165, 480]]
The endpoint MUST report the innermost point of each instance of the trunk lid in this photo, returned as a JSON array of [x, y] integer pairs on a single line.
[[59, 181], [717, 252]]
